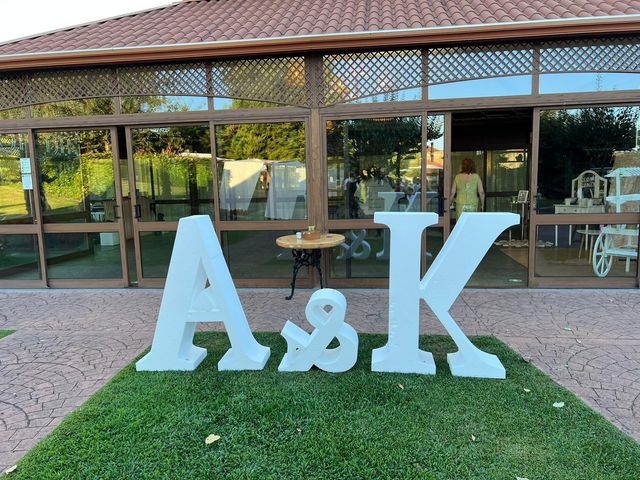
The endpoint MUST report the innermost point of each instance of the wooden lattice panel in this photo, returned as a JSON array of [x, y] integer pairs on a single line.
[[338, 78], [14, 90], [177, 79], [351, 76], [601, 55], [276, 80], [61, 85], [455, 64]]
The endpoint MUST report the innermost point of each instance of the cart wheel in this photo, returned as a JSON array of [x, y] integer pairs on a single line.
[[602, 261]]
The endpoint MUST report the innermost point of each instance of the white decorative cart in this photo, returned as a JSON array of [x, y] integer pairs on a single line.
[[617, 240]]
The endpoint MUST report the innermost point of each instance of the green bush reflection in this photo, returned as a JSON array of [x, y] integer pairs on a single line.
[[76, 176]]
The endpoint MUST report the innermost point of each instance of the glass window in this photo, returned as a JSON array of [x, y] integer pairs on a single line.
[[373, 165], [16, 179], [220, 103], [75, 108], [151, 104], [173, 170], [262, 173], [435, 164], [588, 160], [19, 259], [483, 87], [13, 114], [588, 82], [598, 251], [398, 96], [364, 254], [155, 253], [76, 176], [83, 255], [255, 255]]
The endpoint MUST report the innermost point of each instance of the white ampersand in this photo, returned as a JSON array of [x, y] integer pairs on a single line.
[[305, 350]]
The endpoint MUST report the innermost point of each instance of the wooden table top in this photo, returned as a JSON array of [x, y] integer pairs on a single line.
[[327, 240]]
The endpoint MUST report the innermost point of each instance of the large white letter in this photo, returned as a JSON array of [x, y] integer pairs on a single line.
[[195, 261], [401, 353], [470, 240]]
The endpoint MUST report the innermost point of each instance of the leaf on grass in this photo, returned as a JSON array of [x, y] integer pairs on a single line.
[[211, 439], [401, 386], [299, 430], [558, 404], [473, 438], [527, 390], [521, 478], [10, 470]]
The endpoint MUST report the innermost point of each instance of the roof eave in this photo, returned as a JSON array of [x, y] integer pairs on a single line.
[[326, 42]]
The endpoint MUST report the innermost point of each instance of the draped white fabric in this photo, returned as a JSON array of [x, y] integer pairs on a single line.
[[238, 183], [288, 183]]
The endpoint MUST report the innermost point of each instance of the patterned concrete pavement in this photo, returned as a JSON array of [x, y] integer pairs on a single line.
[[68, 343]]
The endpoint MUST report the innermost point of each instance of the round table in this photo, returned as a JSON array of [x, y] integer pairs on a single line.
[[308, 253]]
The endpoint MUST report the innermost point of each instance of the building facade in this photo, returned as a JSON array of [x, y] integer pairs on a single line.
[[277, 118]]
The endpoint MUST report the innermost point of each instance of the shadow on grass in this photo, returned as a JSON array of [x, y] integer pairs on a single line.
[[359, 424]]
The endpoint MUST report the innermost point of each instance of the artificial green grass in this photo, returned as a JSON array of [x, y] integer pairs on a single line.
[[4, 333], [357, 424]]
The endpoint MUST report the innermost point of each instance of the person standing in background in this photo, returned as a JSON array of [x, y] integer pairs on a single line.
[[467, 189]]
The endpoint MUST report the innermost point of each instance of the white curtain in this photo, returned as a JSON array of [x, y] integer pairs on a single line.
[[238, 183], [288, 183]]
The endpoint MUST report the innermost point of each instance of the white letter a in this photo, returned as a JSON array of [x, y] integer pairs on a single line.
[[197, 259]]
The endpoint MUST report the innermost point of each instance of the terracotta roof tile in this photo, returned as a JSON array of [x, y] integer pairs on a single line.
[[218, 20]]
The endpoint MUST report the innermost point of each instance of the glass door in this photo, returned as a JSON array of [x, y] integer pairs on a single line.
[[20, 243], [170, 177], [80, 204], [490, 169]]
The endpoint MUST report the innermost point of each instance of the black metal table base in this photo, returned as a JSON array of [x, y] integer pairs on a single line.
[[305, 258]]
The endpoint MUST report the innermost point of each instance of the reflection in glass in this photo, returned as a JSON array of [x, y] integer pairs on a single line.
[[255, 255], [19, 257], [582, 152], [83, 255], [153, 104], [174, 175], [155, 253], [435, 165], [598, 251], [484, 87], [75, 108], [235, 104], [588, 82], [365, 254], [262, 173], [16, 202], [398, 96], [13, 114], [76, 176], [374, 165]]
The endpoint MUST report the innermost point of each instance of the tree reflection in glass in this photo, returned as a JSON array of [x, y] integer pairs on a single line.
[[373, 165]]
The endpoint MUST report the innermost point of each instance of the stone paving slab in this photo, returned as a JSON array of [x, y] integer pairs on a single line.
[[69, 343]]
